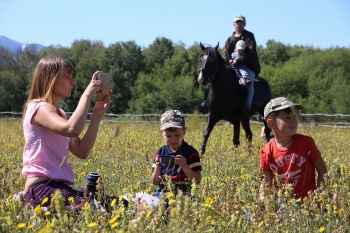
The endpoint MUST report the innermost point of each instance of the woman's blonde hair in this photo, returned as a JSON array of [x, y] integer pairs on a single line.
[[44, 79]]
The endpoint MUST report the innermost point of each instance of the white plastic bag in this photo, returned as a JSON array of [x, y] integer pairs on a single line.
[[144, 199]]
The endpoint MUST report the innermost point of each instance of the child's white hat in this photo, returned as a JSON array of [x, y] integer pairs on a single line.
[[240, 45]]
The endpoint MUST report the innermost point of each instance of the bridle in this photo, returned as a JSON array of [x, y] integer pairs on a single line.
[[204, 70]]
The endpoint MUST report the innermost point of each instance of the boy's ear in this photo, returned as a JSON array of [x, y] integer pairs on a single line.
[[269, 122]]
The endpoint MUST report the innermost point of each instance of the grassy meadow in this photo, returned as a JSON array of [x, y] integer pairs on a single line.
[[230, 198]]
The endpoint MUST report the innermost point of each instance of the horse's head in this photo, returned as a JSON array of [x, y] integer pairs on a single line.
[[209, 64]]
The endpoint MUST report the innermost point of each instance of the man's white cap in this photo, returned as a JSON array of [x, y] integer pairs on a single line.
[[239, 17]]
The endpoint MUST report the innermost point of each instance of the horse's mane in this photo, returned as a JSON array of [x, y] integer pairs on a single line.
[[217, 56]]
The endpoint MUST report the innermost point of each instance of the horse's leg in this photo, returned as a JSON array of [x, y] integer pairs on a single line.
[[210, 125], [236, 131], [246, 127]]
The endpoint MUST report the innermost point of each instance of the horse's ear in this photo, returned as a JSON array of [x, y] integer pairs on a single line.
[[217, 46], [202, 46]]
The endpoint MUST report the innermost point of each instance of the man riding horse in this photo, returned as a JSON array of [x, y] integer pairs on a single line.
[[250, 58], [226, 98]]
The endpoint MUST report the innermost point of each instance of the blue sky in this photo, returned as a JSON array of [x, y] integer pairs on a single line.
[[317, 23]]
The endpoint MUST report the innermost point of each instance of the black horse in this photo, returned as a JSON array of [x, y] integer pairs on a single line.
[[226, 97]]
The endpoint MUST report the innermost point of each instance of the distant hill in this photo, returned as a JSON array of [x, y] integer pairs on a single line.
[[15, 46]]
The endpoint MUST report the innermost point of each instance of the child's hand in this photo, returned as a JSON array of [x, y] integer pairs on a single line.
[[157, 161], [231, 63], [180, 160]]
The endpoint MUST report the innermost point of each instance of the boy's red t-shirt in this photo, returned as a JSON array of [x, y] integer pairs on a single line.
[[293, 164]]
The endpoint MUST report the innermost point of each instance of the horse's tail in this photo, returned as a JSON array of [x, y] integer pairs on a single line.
[[268, 95], [266, 86]]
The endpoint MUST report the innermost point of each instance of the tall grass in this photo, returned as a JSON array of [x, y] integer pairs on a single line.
[[231, 197]]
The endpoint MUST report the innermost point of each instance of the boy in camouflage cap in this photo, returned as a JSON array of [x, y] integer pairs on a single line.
[[176, 160], [293, 157], [280, 103]]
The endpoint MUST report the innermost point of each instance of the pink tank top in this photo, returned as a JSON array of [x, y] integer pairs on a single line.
[[45, 152]]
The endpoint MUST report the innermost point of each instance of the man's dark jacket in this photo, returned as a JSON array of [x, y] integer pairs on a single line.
[[250, 59]]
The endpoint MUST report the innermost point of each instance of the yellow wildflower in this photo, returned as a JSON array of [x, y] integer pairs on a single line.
[[114, 219], [91, 224], [260, 223], [169, 195], [209, 200], [172, 201], [37, 209], [115, 225], [149, 213], [113, 202], [21, 225], [44, 200]]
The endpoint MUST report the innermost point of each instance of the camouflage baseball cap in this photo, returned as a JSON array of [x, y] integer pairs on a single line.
[[279, 103], [172, 119]]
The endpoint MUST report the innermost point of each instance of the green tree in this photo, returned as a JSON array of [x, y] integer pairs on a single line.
[[85, 55], [124, 61], [13, 91], [340, 92], [155, 55], [147, 96], [59, 51], [326, 69], [168, 86], [275, 54], [179, 63], [164, 75], [14, 78], [7, 60]]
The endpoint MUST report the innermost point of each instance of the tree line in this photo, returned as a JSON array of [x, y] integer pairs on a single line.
[[163, 75]]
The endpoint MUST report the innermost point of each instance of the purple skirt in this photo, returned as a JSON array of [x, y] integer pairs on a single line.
[[47, 188]]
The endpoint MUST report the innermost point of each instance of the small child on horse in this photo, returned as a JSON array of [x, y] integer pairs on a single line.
[[236, 56]]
